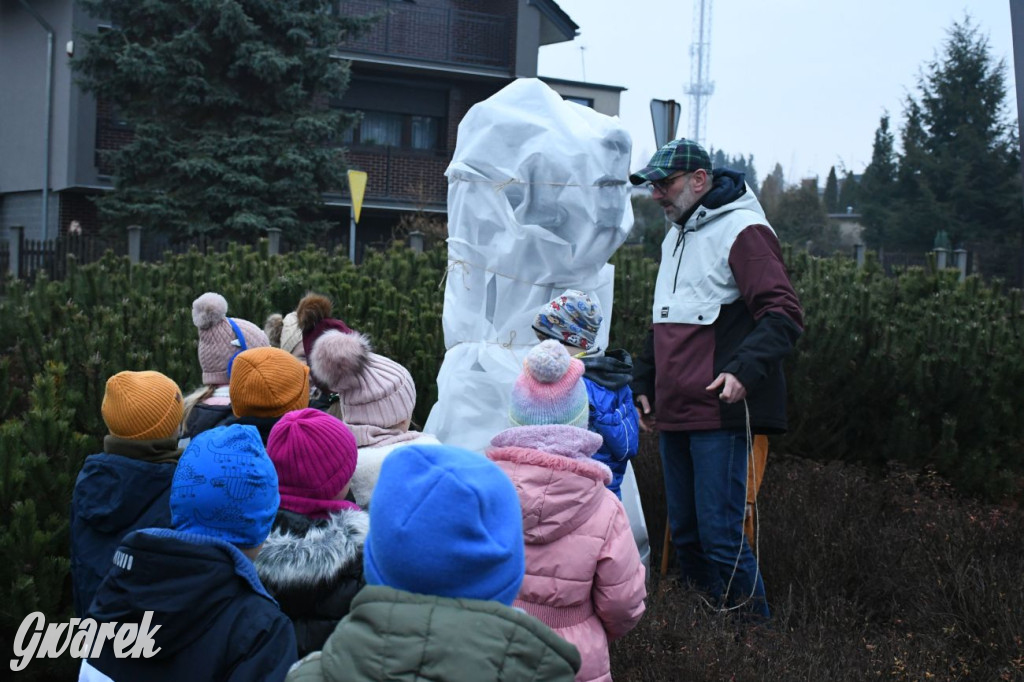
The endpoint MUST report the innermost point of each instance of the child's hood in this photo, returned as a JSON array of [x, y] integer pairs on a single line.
[[613, 370], [559, 486], [113, 492], [313, 553]]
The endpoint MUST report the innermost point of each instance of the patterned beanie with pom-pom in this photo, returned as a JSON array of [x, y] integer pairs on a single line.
[[550, 390]]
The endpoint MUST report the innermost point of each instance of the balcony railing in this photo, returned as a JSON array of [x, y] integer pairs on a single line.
[[401, 175], [447, 36]]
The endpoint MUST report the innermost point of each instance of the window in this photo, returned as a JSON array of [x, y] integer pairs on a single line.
[[381, 128], [423, 131], [585, 101], [388, 129]]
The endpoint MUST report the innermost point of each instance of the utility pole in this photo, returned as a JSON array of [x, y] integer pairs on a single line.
[[701, 87], [1017, 26]]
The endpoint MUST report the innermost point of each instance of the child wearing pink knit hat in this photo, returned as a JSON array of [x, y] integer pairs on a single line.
[[376, 398], [584, 577], [221, 339], [312, 562]]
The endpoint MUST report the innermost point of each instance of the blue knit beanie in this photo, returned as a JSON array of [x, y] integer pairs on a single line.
[[225, 487], [445, 521]]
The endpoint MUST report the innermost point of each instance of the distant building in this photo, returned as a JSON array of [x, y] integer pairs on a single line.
[[414, 76], [851, 229]]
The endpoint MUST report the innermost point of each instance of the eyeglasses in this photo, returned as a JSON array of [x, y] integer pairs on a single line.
[[664, 184]]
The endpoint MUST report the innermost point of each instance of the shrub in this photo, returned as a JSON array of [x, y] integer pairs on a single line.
[[907, 374]]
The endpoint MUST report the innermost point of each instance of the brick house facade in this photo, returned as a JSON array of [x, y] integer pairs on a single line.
[[414, 75]]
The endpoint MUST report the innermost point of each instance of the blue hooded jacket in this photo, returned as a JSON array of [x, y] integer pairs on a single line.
[[612, 413], [217, 622], [114, 495]]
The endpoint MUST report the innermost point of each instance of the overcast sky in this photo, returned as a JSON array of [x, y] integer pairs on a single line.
[[799, 82]]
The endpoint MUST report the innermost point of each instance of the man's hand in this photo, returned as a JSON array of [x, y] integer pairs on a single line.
[[643, 413], [729, 388]]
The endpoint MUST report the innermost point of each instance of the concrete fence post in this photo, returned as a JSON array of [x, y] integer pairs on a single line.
[[416, 241], [14, 241], [273, 241], [941, 256], [859, 251], [960, 262], [134, 243]]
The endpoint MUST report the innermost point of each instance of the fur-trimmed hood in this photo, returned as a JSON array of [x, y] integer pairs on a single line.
[[559, 486], [304, 552]]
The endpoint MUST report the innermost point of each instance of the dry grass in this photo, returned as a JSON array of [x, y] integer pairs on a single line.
[[887, 576]]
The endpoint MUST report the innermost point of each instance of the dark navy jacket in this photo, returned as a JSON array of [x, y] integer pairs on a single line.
[[204, 417], [216, 620], [113, 496], [612, 414], [263, 424]]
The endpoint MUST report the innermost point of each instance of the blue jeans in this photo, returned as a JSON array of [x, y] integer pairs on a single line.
[[705, 486]]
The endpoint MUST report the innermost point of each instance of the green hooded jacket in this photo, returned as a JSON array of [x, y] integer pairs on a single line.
[[394, 635]]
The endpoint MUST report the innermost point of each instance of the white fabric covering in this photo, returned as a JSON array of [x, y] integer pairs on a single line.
[[537, 203]]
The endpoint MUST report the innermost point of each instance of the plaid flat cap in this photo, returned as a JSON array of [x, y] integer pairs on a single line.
[[677, 155]]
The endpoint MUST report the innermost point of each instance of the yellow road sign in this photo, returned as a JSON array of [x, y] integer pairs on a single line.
[[357, 187]]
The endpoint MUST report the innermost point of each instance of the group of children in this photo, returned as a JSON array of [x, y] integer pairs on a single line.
[[284, 519]]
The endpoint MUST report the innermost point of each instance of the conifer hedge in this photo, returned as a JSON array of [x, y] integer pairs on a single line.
[[918, 368]]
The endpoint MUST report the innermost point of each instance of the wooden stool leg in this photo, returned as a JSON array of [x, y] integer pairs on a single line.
[[666, 549]]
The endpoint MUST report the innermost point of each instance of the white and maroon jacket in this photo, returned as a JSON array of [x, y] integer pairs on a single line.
[[723, 302]]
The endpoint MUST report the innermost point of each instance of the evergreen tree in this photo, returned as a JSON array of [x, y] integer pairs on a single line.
[[745, 165], [831, 196], [958, 167], [878, 186], [849, 193], [969, 140], [771, 191], [917, 215], [229, 102], [800, 217]]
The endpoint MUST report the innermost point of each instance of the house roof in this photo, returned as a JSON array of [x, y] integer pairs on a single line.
[[583, 84], [557, 26]]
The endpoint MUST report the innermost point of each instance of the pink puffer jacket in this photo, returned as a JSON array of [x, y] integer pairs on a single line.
[[583, 578]]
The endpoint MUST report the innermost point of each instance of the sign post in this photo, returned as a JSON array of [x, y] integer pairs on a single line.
[[665, 115], [357, 188]]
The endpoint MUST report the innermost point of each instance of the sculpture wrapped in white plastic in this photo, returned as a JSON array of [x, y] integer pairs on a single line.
[[537, 203]]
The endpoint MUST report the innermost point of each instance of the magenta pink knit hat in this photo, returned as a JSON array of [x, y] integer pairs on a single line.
[[550, 390], [315, 456], [221, 338]]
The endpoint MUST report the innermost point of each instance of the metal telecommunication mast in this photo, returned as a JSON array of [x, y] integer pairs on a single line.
[[701, 87]]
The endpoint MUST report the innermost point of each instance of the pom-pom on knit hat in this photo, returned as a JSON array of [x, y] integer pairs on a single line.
[[267, 382], [225, 486], [142, 406], [374, 390], [446, 522], [221, 338], [573, 318], [314, 317], [550, 390], [285, 333], [315, 456]]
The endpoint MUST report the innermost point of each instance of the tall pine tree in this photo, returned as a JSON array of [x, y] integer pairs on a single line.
[[831, 196], [229, 103], [957, 170], [849, 192], [771, 191], [878, 185]]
